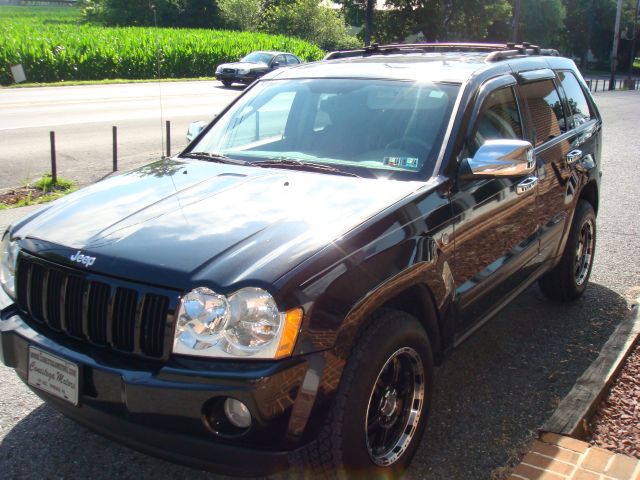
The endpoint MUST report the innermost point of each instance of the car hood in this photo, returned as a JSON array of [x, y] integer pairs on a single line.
[[181, 223], [243, 65]]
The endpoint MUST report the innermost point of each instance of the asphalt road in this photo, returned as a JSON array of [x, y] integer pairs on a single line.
[[82, 118], [489, 397]]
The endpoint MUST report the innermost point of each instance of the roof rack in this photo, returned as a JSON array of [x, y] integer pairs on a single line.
[[496, 51]]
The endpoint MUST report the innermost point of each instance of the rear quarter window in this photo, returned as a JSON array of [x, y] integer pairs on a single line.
[[579, 111]]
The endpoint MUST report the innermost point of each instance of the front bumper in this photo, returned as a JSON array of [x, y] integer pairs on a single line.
[[158, 407], [235, 77]]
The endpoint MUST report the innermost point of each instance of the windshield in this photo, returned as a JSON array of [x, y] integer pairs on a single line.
[[373, 128], [258, 57]]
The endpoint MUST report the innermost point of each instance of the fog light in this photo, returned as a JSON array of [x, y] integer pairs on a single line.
[[237, 413]]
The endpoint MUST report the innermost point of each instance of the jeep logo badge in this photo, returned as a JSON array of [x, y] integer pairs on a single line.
[[86, 260]]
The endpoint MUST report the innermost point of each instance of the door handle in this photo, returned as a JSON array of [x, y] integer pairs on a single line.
[[526, 185], [573, 156]]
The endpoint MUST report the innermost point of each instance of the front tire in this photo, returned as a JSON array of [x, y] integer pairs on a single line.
[[226, 83], [379, 414], [568, 279]]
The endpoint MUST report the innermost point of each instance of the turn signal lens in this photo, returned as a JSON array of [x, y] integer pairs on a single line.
[[293, 320]]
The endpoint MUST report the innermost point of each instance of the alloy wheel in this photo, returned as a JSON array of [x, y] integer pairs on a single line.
[[584, 252], [395, 406]]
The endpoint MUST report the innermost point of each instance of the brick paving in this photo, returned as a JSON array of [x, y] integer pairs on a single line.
[[555, 457]]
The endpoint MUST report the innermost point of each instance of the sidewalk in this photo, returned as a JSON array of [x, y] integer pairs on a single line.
[[556, 457]]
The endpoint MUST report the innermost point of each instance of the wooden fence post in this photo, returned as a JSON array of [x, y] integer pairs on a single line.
[[54, 167], [114, 131]]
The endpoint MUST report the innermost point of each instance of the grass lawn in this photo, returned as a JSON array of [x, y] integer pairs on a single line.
[[108, 81], [41, 191]]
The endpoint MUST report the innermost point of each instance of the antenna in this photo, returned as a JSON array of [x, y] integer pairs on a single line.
[[155, 22]]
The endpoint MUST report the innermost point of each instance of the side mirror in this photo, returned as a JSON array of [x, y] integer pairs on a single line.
[[194, 129], [275, 64], [500, 158]]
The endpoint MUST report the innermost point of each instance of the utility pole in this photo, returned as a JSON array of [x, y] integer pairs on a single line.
[[614, 49], [633, 45], [515, 23]]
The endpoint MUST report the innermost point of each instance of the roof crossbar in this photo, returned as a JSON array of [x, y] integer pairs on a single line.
[[496, 51]]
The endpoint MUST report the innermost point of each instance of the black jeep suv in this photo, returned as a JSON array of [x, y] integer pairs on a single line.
[[276, 296]]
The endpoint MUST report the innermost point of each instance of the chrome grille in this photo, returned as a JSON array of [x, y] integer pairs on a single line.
[[126, 317]]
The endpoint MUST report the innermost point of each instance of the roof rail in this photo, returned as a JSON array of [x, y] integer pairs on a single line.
[[496, 51]]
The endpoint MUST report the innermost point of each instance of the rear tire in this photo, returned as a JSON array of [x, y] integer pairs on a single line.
[[568, 279], [380, 411]]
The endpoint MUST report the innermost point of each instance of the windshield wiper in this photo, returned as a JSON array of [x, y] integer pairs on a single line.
[[298, 165], [215, 157]]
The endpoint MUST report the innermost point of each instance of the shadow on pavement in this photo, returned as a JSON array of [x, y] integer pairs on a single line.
[[503, 383], [496, 389], [236, 86]]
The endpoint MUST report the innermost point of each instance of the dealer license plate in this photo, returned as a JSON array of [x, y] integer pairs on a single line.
[[53, 375]]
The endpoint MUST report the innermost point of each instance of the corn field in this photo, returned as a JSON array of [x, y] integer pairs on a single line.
[[52, 46]]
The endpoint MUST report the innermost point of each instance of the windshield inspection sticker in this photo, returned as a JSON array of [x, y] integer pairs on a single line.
[[402, 162]]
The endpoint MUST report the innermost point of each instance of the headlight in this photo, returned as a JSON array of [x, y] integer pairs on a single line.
[[243, 71], [9, 253], [219, 70], [246, 323]]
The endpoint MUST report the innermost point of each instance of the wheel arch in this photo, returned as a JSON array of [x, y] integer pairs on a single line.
[[590, 193], [417, 301], [425, 297]]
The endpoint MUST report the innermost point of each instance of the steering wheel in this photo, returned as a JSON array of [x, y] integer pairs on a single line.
[[406, 143]]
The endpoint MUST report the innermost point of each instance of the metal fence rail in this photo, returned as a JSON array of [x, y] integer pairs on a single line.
[[601, 84]]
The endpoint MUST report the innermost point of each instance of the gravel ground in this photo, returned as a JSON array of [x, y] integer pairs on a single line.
[[616, 424], [490, 396]]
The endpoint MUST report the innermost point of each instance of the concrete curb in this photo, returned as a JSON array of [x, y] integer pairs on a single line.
[[574, 411]]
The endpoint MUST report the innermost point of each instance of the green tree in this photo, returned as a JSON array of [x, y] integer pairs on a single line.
[[578, 28], [309, 20], [166, 13], [441, 20], [542, 22], [589, 26], [241, 14], [391, 26]]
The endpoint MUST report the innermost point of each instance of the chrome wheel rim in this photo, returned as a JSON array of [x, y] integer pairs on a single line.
[[395, 406], [584, 252]]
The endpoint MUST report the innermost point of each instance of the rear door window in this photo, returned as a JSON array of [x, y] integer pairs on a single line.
[[579, 111], [545, 110]]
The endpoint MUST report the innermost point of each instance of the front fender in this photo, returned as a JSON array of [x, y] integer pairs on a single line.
[[424, 289], [400, 258], [404, 248]]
